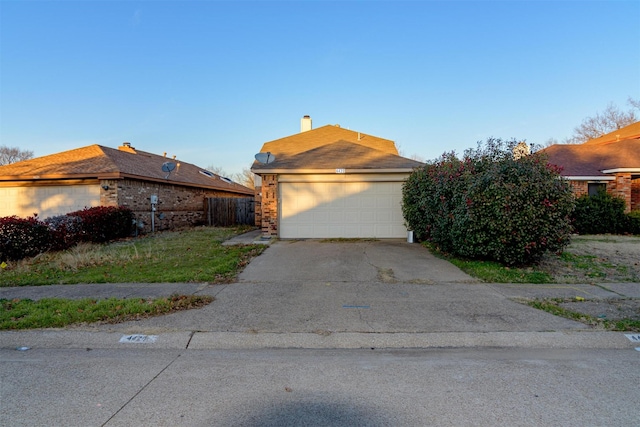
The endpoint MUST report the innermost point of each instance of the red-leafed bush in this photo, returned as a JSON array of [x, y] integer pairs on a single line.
[[104, 223], [22, 237], [65, 231]]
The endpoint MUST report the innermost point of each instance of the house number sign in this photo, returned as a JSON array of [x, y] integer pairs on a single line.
[[340, 170]]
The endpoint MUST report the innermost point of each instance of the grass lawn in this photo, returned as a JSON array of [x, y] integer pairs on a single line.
[[57, 313], [193, 255], [494, 272]]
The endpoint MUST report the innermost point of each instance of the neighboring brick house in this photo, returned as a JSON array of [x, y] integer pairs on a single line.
[[331, 182], [102, 176], [610, 162]]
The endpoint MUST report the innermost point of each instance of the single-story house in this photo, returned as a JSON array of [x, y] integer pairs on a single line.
[[331, 182], [101, 176], [610, 162]]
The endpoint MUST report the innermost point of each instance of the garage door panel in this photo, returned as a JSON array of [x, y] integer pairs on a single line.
[[341, 209]]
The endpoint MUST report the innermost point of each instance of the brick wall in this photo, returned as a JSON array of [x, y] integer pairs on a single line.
[[635, 193], [579, 188], [258, 206], [269, 205], [624, 186], [178, 206], [621, 187]]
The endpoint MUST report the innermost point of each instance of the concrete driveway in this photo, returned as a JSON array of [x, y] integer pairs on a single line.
[[384, 287], [381, 261]]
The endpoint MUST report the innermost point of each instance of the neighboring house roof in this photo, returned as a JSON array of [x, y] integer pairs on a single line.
[[631, 131], [98, 162], [332, 147], [618, 150]]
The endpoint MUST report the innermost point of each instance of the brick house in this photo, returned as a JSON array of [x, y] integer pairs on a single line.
[[102, 176], [610, 162], [331, 182]]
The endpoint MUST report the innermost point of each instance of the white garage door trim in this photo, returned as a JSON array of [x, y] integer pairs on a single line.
[[348, 209], [47, 201]]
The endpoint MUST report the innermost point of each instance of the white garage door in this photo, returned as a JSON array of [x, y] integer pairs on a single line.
[[341, 209], [47, 201]]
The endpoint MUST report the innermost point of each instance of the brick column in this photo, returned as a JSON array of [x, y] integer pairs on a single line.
[[635, 193], [621, 187], [270, 205]]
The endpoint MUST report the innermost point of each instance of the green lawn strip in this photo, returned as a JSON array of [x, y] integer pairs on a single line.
[[186, 256], [57, 312], [494, 272], [551, 305]]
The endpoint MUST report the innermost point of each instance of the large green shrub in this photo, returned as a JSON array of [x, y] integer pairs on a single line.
[[22, 237], [633, 225], [600, 214], [104, 223], [489, 205]]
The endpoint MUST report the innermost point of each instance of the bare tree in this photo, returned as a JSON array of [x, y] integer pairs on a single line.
[[609, 120], [10, 155], [246, 178]]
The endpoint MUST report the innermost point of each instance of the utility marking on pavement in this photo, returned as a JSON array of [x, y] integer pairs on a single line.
[[355, 306], [139, 339], [633, 337]]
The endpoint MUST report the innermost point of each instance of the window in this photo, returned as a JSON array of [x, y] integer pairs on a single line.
[[596, 187]]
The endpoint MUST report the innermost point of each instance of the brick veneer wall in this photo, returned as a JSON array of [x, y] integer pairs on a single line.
[[579, 188], [269, 205], [621, 187], [635, 193], [180, 206], [624, 186]]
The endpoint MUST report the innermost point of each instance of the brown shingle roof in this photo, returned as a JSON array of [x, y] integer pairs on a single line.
[[616, 150], [96, 161], [345, 155], [331, 147], [631, 131]]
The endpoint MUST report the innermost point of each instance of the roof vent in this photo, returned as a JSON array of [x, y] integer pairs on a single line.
[[305, 124], [126, 146], [337, 125]]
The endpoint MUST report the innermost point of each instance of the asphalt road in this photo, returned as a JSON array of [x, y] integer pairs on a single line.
[[395, 387]]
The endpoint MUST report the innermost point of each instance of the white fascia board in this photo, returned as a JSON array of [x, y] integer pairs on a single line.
[[622, 170], [590, 178], [330, 171]]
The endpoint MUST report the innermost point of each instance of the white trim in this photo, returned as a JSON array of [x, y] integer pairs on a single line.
[[333, 177], [590, 178], [329, 171], [622, 170]]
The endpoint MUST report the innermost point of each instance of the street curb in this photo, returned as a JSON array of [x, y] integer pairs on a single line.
[[320, 340]]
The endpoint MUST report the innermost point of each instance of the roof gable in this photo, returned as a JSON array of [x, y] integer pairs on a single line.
[[324, 135], [332, 147], [96, 161]]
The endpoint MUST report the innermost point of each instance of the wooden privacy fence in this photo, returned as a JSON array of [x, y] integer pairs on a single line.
[[227, 211]]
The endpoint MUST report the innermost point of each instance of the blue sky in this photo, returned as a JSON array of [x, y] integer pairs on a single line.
[[211, 81]]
